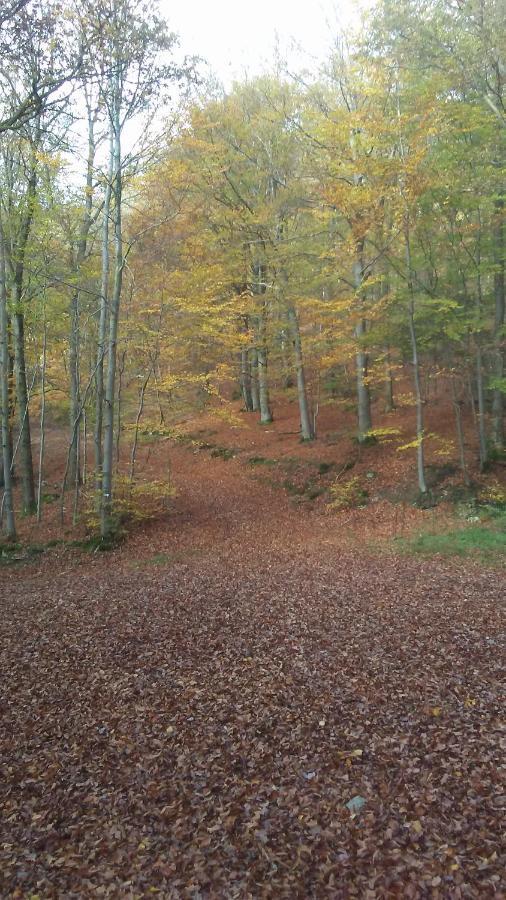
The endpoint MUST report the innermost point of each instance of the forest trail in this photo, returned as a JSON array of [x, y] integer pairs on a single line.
[[190, 715]]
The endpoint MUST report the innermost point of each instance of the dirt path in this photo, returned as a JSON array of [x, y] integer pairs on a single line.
[[190, 715]]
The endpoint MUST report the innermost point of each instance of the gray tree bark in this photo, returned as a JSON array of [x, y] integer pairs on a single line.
[[499, 336], [420, 455], [255, 398], [263, 384], [306, 427], [74, 337], [10, 525], [362, 359], [102, 324], [106, 519]]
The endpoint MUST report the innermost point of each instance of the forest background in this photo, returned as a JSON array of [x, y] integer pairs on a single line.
[[332, 238]]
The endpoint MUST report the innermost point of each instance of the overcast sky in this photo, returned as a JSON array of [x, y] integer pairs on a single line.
[[239, 37]]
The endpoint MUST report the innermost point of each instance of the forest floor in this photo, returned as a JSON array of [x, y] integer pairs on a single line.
[[252, 696]]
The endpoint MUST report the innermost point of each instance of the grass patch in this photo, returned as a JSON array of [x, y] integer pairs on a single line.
[[261, 461], [485, 541]]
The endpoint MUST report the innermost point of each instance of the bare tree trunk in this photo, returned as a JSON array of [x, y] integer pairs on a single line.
[[106, 521], [25, 440], [8, 504], [362, 359], [420, 460], [255, 397], [389, 385], [102, 324], [480, 392], [245, 380], [85, 445], [263, 385], [457, 405], [306, 428], [121, 371], [42, 440], [75, 338], [422, 484], [499, 337], [140, 409], [244, 375], [74, 342]]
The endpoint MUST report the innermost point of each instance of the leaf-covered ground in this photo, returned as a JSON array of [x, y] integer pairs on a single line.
[[190, 715]]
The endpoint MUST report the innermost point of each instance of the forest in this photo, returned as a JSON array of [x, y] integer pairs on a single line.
[[252, 397]]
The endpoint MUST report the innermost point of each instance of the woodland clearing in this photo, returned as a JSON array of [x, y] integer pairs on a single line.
[[244, 699]]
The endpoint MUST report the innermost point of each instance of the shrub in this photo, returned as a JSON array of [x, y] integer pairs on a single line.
[[347, 494]]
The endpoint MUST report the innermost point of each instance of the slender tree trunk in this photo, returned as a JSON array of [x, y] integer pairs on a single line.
[[263, 385], [142, 394], [389, 385], [420, 456], [457, 405], [75, 337], [74, 341], [18, 335], [121, 372], [255, 397], [245, 377], [306, 428], [22, 405], [285, 358], [107, 467], [245, 381], [480, 394], [480, 388], [420, 461], [42, 440], [85, 445], [10, 525], [362, 359], [102, 324], [499, 336]]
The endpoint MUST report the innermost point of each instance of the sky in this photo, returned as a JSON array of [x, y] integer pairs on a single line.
[[238, 37]]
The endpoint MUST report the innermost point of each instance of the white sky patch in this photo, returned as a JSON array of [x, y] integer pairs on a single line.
[[240, 38]]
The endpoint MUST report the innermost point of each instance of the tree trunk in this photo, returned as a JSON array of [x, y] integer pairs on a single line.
[[306, 428], [499, 337], [140, 410], [420, 460], [74, 385], [121, 372], [457, 405], [389, 385], [102, 324], [255, 397], [480, 390], [10, 525], [25, 440], [18, 332], [245, 381], [480, 393], [42, 436], [74, 337], [362, 360], [263, 385], [106, 520]]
